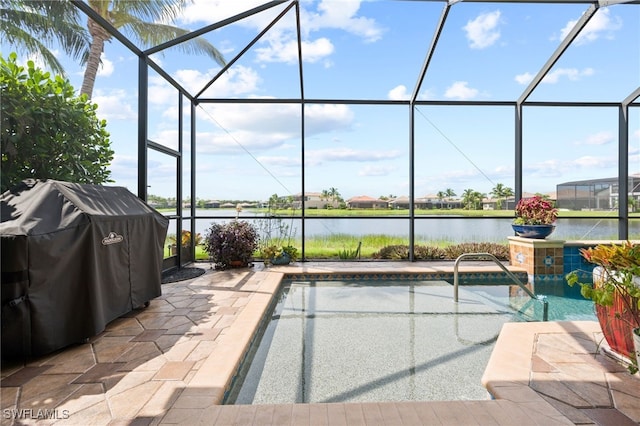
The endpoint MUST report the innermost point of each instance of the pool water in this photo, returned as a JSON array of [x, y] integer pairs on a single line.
[[564, 303], [350, 341]]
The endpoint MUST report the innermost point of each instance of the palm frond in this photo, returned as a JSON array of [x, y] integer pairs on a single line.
[[35, 26], [30, 45], [149, 10], [153, 34]]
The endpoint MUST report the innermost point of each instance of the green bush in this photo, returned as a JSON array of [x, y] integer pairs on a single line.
[[428, 253], [500, 251], [47, 131], [401, 252], [392, 252]]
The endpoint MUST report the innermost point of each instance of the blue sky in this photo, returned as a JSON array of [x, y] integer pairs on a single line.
[[375, 50]]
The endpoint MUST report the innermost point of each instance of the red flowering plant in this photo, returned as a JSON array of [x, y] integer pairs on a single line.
[[615, 289], [535, 211], [620, 269]]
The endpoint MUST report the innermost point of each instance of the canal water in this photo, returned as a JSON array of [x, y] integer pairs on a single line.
[[454, 229]]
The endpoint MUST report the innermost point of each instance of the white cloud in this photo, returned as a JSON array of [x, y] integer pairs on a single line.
[[343, 17], [211, 11], [315, 157], [280, 161], [555, 75], [327, 14], [232, 128], [572, 74], [524, 78], [483, 31], [377, 170], [280, 43], [225, 142], [106, 67], [235, 81], [544, 169], [461, 91], [287, 51], [602, 24], [398, 93], [327, 118], [114, 105], [600, 138], [589, 162], [124, 171], [560, 169]]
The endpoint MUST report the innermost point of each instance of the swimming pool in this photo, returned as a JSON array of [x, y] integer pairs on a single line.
[[352, 340]]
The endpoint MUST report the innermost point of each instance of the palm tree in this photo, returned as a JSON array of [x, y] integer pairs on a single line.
[[478, 197], [334, 195], [34, 26], [449, 193], [472, 199], [273, 202], [507, 193], [467, 198], [501, 192], [139, 20], [497, 193]]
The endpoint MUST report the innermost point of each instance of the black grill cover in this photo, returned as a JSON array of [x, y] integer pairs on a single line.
[[74, 258]]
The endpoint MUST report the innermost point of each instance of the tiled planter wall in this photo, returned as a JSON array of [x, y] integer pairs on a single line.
[[551, 260], [542, 259]]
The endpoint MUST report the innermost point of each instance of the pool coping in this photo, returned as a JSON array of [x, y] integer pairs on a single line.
[[578, 375]]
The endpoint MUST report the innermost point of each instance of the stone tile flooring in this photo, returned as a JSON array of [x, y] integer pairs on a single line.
[[564, 364], [172, 362]]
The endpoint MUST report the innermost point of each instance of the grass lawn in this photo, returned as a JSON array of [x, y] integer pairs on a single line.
[[340, 246]]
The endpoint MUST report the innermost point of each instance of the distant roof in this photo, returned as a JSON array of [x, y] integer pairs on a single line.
[[363, 198], [601, 180]]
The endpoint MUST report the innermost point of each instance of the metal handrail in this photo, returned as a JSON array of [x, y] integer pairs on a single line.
[[489, 256]]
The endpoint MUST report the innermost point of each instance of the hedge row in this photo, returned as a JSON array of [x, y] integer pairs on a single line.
[[399, 252]]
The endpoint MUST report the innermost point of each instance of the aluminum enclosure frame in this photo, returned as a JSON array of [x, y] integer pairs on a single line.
[[145, 62]]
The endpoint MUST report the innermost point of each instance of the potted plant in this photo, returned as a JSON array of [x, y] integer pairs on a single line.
[[185, 243], [279, 255], [535, 217], [231, 244], [615, 290]]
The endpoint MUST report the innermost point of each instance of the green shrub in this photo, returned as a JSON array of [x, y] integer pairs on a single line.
[[392, 252], [428, 253], [47, 131], [401, 252], [500, 251]]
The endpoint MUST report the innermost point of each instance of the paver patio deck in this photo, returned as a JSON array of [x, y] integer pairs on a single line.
[[172, 362]]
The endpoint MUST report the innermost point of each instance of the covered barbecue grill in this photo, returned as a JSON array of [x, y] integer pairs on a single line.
[[74, 258]]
